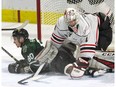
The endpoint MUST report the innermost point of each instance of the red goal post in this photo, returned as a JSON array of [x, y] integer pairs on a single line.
[[38, 5]]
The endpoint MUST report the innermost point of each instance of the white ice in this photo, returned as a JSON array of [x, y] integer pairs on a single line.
[[50, 79]]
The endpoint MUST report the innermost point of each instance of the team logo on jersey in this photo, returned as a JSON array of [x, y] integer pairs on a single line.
[[24, 49]]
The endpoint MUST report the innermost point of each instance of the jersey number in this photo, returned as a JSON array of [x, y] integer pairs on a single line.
[[30, 57]]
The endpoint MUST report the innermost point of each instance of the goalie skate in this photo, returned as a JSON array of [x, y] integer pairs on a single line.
[[95, 73]]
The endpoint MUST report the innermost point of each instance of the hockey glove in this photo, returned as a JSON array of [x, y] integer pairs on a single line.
[[77, 69], [106, 24], [19, 67]]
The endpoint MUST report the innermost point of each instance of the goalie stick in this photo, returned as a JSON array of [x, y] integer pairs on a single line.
[[32, 77], [21, 26], [9, 54]]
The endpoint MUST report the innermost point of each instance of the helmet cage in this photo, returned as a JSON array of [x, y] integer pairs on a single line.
[[70, 15]]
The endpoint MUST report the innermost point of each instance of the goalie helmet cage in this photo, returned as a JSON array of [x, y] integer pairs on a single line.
[[48, 11]]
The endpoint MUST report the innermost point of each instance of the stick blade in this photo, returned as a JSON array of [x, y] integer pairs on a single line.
[[22, 83], [23, 25]]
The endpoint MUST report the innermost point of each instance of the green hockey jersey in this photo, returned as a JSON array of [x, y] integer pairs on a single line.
[[30, 48]]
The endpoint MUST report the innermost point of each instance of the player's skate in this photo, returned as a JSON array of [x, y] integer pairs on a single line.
[[77, 69]]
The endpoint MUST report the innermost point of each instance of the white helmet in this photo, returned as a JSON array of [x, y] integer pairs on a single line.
[[70, 14]]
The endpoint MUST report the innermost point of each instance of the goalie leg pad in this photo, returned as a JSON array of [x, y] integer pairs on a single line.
[[63, 58], [102, 60], [48, 53]]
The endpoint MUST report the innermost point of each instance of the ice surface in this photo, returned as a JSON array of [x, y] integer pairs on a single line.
[[50, 79]]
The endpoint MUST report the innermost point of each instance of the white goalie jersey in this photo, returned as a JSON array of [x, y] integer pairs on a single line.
[[84, 34]]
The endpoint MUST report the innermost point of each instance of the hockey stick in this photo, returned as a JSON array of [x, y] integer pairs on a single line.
[[21, 26], [32, 77], [9, 54]]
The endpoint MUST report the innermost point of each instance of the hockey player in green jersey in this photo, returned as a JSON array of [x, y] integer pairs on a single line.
[[29, 49]]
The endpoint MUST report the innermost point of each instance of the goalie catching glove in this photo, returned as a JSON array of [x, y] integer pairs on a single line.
[[77, 69]]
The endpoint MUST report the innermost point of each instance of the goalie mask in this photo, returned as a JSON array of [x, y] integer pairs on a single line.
[[20, 33], [70, 15]]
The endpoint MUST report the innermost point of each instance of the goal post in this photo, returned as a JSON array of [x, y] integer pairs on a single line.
[[38, 5]]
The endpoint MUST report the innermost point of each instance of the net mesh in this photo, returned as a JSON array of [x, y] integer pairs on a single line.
[[51, 10]]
